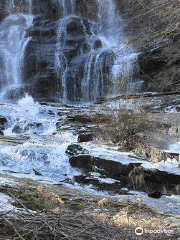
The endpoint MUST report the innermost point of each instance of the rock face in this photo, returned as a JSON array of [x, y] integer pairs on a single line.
[[76, 49], [61, 58], [72, 50]]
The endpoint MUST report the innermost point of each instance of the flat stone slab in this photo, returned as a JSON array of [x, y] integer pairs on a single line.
[[6, 140]]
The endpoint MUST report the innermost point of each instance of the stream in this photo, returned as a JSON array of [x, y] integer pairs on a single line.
[[36, 137]]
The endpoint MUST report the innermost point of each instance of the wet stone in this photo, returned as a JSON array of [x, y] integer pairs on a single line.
[[81, 158], [85, 137], [154, 182], [3, 122], [75, 149]]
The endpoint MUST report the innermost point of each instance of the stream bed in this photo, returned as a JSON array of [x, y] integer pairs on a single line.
[[35, 142]]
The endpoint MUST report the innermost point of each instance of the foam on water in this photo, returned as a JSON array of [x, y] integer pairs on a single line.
[[42, 150], [13, 42]]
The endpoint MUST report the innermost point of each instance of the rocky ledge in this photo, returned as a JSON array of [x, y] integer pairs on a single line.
[[56, 209]]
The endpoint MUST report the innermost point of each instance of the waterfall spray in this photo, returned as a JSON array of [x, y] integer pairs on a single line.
[[13, 42]]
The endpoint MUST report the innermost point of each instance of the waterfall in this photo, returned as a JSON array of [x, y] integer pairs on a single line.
[[67, 7], [85, 59], [61, 61], [108, 20], [13, 41], [30, 5], [125, 65], [113, 55]]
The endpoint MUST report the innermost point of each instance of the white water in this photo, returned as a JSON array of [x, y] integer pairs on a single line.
[[67, 7], [42, 150], [61, 61], [13, 42], [113, 56], [108, 21]]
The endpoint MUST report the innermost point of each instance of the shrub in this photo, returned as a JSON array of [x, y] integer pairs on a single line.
[[123, 127]]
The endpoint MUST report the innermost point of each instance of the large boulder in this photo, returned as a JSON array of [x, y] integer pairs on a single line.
[[3, 122], [81, 158], [85, 137], [154, 182], [76, 149]]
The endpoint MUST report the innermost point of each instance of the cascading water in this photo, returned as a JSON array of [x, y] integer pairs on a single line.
[[108, 21], [99, 56], [67, 7], [13, 42], [91, 60], [41, 150]]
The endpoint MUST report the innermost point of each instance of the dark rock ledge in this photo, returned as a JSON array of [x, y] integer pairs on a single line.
[[133, 175]]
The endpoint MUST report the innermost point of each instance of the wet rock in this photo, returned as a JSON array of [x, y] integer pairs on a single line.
[[100, 100], [75, 149], [85, 137], [80, 158], [76, 26], [82, 179], [154, 182], [98, 44], [58, 124], [100, 184], [1, 132], [79, 118], [50, 112], [17, 129], [32, 126], [37, 173], [3, 122], [155, 194]]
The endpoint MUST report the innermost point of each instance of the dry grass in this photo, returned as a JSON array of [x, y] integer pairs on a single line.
[[56, 219], [123, 127], [156, 20], [74, 225]]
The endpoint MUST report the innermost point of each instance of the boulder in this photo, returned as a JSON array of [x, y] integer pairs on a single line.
[[81, 158], [75, 149], [3, 122], [85, 137], [17, 129], [1, 132], [154, 182], [155, 194]]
